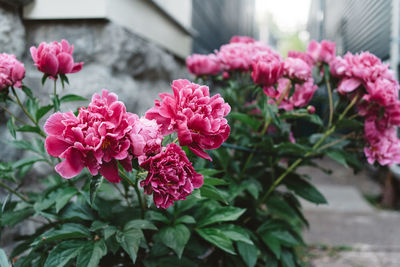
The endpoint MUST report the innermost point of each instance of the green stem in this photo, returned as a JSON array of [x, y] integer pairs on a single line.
[[12, 115], [316, 145], [344, 137], [27, 113], [328, 86], [135, 186], [13, 191]]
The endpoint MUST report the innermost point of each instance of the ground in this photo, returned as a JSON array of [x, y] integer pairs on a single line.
[[349, 232]]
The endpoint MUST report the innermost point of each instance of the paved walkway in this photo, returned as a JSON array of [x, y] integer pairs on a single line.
[[348, 232]]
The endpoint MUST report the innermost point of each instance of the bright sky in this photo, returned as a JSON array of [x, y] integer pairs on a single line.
[[289, 15]]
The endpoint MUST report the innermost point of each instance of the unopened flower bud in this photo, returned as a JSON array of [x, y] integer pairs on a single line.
[[311, 109]]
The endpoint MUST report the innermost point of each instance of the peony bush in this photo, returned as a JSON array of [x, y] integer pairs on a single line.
[[202, 178]]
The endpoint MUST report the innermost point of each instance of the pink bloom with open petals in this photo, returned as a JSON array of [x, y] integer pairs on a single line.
[[194, 115], [304, 56], [55, 58], [267, 69], [145, 138], [94, 139], [203, 64], [12, 71], [383, 145], [170, 177], [242, 39], [322, 52], [296, 68], [235, 56]]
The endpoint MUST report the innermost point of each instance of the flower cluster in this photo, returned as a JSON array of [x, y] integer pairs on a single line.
[[12, 71], [100, 135], [203, 64], [365, 76], [55, 58]]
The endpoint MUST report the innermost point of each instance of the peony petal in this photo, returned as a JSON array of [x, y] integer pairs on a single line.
[[110, 171], [199, 152], [65, 63], [348, 85], [54, 125], [49, 64], [72, 165], [55, 147]]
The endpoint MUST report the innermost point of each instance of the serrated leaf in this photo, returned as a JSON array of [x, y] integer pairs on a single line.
[[305, 190], [11, 127], [212, 192], [221, 214], [218, 238], [42, 111], [95, 184], [63, 253], [91, 254], [3, 259], [71, 98], [130, 241], [140, 224], [248, 253], [64, 196], [175, 237]]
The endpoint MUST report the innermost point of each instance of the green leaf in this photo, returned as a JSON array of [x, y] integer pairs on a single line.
[[27, 91], [209, 172], [211, 192], [302, 114], [221, 214], [218, 238], [29, 128], [91, 254], [11, 218], [185, 219], [42, 111], [287, 259], [3, 259], [305, 189], [175, 237], [63, 253], [337, 156], [156, 216], [130, 240], [214, 181], [71, 98], [248, 253], [44, 78], [292, 148], [285, 237], [64, 196], [236, 233], [246, 119], [95, 184], [140, 224], [272, 243], [11, 127], [26, 161], [78, 210], [67, 231]]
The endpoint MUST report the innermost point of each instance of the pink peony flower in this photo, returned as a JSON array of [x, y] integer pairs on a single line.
[[12, 71], [194, 115], [170, 177], [145, 138], [95, 139], [235, 56], [304, 56], [267, 69], [55, 58], [383, 145], [301, 96], [384, 92], [242, 39], [203, 64], [322, 52], [296, 68]]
